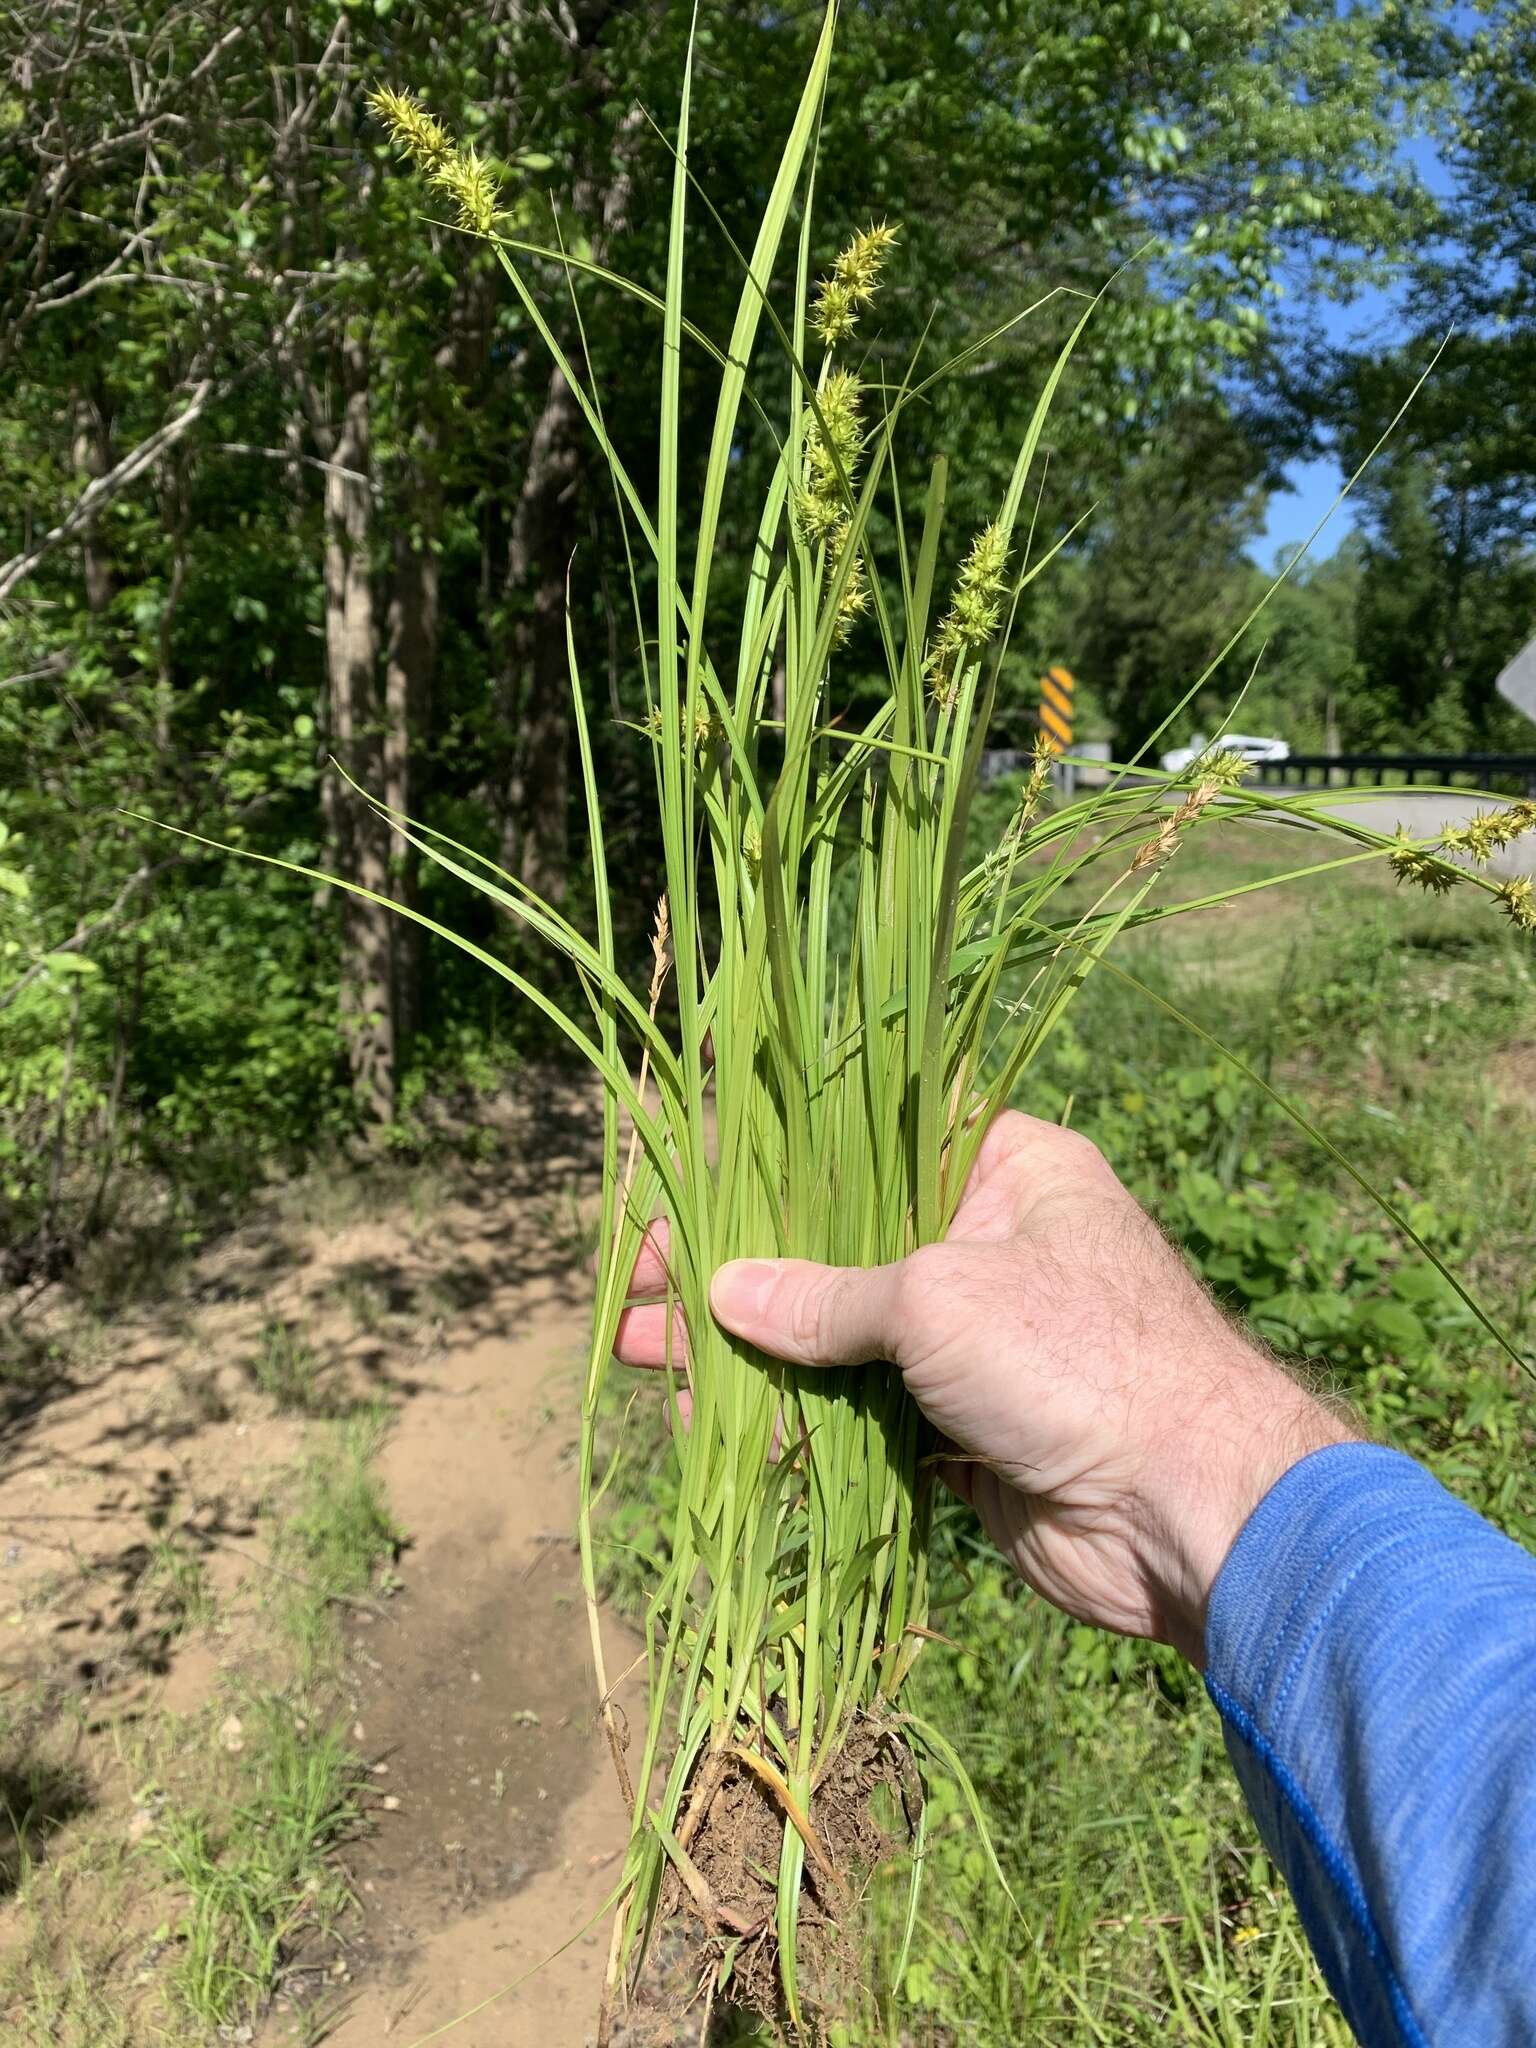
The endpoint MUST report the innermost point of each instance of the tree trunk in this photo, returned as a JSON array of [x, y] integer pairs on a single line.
[[93, 459], [410, 665], [359, 838], [546, 523], [533, 707]]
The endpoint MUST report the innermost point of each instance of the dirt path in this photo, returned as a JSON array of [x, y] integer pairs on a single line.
[[509, 1829], [458, 1300]]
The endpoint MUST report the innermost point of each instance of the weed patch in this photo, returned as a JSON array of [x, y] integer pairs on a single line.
[[255, 1867]]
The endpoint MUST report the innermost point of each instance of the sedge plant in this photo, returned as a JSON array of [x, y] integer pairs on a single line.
[[786, 1074]]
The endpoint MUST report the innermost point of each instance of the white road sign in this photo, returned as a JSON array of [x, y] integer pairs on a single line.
[[1517, 683]]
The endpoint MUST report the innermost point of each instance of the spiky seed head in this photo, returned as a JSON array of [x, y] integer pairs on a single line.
[[1517, 899], [1413, 863], [1222, 768], [816, 518], [1034, 787], [752, 847], [411, 127], [859, 265], [831, 457], [975, 611], [1486, 834], [854, 279], [473, 187], [853, 603], [982, 570], [463, 174], [836, 311]]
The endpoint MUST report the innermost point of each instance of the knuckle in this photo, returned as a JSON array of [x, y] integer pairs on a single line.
[[806, 1315], [919, 1276], [1073, 1145]]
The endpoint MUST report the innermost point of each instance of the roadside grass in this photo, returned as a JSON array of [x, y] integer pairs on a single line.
[[1381, 1011], [1149, 1910]]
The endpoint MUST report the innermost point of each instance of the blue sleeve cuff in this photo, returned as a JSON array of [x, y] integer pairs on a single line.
[[1371, 1647]]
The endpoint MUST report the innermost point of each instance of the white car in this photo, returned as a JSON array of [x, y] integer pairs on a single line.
[[1243, 743]]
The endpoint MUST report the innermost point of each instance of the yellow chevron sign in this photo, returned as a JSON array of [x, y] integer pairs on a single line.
[[1056, 687]]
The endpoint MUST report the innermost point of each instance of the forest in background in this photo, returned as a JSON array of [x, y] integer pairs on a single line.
[[288, 493]]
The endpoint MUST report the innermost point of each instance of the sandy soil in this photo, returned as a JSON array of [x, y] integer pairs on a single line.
[[479, 1704], [460, 1301]]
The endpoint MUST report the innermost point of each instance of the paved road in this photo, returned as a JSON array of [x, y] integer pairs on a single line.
[[1385, 809]]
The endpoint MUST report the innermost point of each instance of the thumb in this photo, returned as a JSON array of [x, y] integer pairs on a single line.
[[814, 1315]]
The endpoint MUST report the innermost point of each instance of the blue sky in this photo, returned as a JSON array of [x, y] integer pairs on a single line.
[[1374, 317]]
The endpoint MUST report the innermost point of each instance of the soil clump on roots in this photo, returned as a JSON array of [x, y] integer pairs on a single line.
[[721, 1920]]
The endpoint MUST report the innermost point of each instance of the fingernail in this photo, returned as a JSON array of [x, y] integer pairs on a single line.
[[740, 1290]]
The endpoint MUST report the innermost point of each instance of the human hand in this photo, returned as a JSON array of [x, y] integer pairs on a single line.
[[1112, 1429]]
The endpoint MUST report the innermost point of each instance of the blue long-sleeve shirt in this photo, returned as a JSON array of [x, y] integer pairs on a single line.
[[1371, 1648]]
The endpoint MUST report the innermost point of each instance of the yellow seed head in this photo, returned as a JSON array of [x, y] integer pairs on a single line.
[[975, 612], [860, 264], [463, 173], [1221, 769], [1517, 899], [854, 279], [1411, 863], [854, 602], [835, 312], [1483, 836], [831, 455], [473, 187], [411, 127]]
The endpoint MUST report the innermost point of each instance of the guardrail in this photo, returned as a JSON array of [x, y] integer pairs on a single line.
[[1347, 771]]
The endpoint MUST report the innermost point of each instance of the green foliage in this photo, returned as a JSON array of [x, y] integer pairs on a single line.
[[169, 654]]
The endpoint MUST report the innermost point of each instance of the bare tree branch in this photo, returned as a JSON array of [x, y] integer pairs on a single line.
[[103, 488]]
